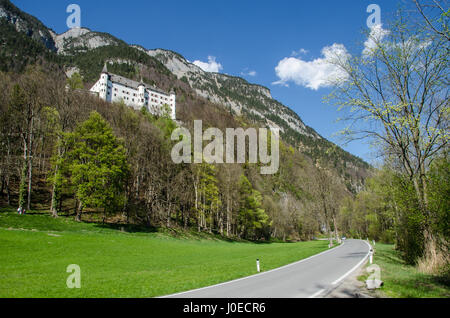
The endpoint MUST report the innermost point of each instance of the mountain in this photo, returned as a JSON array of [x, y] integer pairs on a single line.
[[85, 51], [241, 97], [81, 40], [27, 24]]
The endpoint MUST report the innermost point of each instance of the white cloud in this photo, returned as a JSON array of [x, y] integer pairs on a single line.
[[210, 66], [376, 36], [247, 72], [312, 74], [299, 52]]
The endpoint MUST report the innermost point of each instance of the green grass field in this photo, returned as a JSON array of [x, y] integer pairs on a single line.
[[35, 251], [404, 281]]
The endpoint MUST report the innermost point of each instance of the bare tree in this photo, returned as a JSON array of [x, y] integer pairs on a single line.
[[436, 15], [396, 94]]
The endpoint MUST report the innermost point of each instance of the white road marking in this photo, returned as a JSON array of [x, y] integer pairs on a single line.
[[317, 294], [256, 275], [354, 268]]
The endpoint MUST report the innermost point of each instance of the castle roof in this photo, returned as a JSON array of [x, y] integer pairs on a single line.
[[105, 69], [133, 84]]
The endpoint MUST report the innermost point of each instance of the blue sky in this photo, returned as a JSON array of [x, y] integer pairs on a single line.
[[245, 37]]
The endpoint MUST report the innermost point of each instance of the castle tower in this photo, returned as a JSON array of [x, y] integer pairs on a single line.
[[141, 98], [173, 105], [104, 83]]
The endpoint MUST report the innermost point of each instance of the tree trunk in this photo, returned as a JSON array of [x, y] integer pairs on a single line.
[[75, 208], [168, 215], [228, 217], [221, 223], [330, 234], [3, 186], [54, 204], [23, 175], [420, 186], [185, 218], [79, 211], [8, 191], [7, 178], [138, 183], [336, 230], [30, 179], [30, 163], [196, 206]]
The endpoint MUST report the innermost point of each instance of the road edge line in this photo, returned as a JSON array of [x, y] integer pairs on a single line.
[[251, 276], [354, 268], [327, 291]]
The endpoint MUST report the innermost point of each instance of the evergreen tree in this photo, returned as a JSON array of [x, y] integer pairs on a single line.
[[97, 163], [252, 218]]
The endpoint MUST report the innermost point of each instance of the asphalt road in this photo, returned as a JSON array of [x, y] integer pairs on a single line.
[[311, 277]]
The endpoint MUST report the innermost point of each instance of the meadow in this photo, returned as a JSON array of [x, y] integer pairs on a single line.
[[116, 261]]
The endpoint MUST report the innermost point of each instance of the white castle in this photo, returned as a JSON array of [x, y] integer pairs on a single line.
[[115, 88]]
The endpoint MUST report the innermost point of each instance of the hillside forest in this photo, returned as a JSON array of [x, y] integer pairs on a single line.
[[66, 152]]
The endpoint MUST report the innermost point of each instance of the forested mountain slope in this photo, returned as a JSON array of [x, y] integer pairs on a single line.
[[310, 164]]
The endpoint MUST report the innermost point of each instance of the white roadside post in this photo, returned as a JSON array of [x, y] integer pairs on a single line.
[[371, 255], [257, 266]]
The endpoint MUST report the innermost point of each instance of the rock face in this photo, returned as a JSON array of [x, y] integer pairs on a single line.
[[235, 93], [27, 24], [79, 40], [74, 40]]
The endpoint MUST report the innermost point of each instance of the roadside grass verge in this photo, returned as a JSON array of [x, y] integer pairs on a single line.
[[405, 281], [37, 249]]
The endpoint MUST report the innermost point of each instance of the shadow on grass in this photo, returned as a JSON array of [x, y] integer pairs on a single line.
[[128, 228], [66, 221], [177, 232]]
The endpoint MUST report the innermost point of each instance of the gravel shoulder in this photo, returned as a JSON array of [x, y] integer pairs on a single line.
[[351, 287]]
